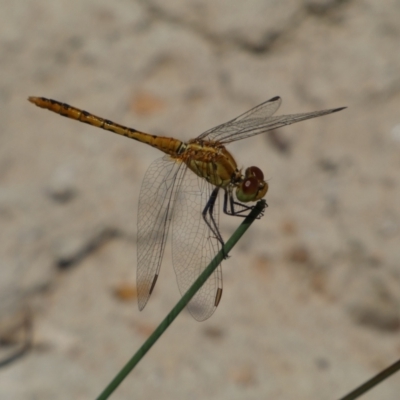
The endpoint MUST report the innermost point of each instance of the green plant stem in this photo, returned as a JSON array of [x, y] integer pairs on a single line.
[[373, 382], [257, 210]]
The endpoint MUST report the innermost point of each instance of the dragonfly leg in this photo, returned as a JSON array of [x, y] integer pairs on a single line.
[[230, 203], [209, 217]]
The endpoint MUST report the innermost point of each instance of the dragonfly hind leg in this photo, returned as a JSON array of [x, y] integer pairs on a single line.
[[209, 219]]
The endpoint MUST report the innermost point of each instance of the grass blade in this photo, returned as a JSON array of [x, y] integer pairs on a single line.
[[374, 381], [257, 211]]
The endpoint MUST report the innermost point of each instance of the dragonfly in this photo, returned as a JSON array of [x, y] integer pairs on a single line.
[[182, 188]]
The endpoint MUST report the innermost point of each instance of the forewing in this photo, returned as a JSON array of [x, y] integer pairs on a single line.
[[194, 245], [156, 203], [259, 120], [262, 111], [255, 127]]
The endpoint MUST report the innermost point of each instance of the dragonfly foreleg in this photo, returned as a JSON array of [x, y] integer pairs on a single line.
[[231, 207]]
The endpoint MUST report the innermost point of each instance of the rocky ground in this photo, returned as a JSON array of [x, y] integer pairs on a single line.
[[311, 304]]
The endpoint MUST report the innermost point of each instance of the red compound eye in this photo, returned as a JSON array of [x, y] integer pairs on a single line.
[[256, 172], [248, 189], [253, 187], [250, 186]]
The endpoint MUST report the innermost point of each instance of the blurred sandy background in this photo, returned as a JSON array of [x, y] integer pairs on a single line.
[[311, 304]]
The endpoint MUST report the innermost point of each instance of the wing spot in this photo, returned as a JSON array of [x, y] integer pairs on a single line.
[[153, 284], [218, 297]]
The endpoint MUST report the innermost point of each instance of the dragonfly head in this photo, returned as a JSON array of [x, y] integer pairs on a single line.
[[252, 187]]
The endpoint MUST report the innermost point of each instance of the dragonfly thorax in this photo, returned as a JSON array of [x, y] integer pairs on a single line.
[[211, 161]]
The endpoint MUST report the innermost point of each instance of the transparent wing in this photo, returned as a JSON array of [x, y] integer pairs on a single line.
[[194, 245], [156, 203], [258, 120], [263, 110]]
